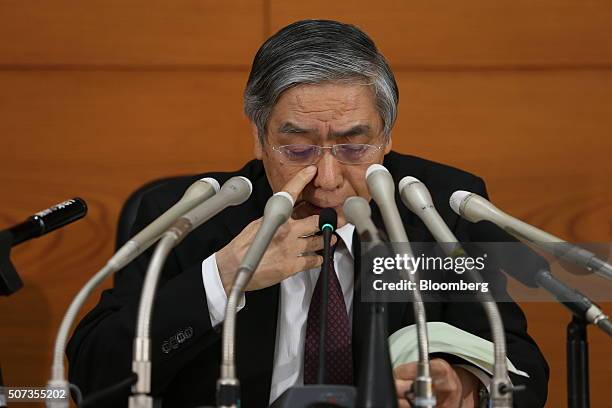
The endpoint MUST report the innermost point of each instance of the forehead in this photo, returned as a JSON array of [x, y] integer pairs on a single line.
[[328, 103]]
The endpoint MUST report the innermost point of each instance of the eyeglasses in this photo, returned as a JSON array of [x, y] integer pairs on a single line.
[[346, 153]]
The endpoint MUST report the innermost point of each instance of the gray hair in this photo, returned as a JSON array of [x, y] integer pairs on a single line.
[[314, 52]]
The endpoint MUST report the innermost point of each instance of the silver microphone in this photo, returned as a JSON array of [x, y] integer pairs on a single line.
[[382, 189], [197, 193], [358, 212], [417, 198], [277, 211], [475, 208], [235, 191]]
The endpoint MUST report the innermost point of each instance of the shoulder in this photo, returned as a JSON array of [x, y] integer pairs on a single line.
[[154, 198], [433, 174], [167, 191], [441, 180]]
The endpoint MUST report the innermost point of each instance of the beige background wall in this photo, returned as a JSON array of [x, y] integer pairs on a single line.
[[98, 97]]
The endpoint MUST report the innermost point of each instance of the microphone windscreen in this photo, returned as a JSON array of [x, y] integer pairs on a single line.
[[328, 216]]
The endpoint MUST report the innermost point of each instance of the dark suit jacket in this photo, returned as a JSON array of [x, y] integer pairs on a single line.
[[186, 350]]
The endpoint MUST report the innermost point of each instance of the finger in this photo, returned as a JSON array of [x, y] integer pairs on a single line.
[[402, 387], [441, 370], [306, 227], [439, 366], [299, 181], [307, 262], [402, 403], [406, 371], [311, 244], [314, 244]]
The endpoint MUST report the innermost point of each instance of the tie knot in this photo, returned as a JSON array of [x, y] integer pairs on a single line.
[[332, 247]]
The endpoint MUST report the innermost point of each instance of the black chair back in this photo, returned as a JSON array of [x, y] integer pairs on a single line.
[[127, 216]]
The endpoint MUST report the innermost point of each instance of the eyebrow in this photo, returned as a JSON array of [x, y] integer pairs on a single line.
[[354, 131], [289, 127]]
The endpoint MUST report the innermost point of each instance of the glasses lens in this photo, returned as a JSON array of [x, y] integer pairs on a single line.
[[299, 154], [355, 153]]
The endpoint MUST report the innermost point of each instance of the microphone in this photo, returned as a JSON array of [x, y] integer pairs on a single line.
[[48, 220], [277, 211], [417, 198], [198, 192], [358, 212], [195, 194], [321, 394], [475, 208], [375, 385], [235, 191], [38, 224], [382, 189], [328, 220], [576, 302]]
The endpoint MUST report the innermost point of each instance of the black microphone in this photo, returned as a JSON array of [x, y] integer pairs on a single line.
[[48, 220], [532, 270], [320, 395], [39, 224], [328, 220], [580, 305]]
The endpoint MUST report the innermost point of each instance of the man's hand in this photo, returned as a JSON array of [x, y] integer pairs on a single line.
[[454, 387], [288, 252]]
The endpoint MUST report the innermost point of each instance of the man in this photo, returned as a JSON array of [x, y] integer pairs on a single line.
[[322, 102]]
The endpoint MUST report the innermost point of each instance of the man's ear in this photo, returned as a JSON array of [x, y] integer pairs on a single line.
[[389, 145], [257, 147]]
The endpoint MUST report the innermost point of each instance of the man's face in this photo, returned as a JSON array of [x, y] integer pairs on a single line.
[[324, 115]]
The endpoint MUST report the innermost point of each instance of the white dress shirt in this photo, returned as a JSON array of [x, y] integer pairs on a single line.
[[295, 294]]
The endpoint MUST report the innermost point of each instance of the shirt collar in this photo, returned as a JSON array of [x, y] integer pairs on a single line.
[[346, 234]]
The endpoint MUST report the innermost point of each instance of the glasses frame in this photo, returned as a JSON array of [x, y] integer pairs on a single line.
[[320, 150]]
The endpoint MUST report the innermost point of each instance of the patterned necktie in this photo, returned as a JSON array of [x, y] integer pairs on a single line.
[[338, 351]]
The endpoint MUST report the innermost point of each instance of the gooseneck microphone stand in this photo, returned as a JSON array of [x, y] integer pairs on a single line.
[[382, 188], [417, 198], [235, 191]]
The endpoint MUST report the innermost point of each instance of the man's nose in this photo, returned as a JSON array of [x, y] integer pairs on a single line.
[[329, 172]]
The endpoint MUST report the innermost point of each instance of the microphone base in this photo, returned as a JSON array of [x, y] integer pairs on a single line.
[[317, 396], [143, 401], [375, 382]]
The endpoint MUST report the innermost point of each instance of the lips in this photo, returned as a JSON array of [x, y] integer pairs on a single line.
[[314, 208]]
